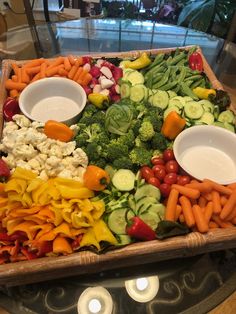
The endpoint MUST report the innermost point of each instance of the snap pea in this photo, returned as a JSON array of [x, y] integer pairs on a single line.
[[164, 79], [157, 77], [191, 50], [168, 61], [182, 62], [169, 85], [177, 51], [157, 68], [182, 74], [187, 91], [188, 83], [158, 59], [196, 83], [194, 77], [178, 58]]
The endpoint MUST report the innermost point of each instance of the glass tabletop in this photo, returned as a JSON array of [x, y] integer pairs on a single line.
[[186, 285]]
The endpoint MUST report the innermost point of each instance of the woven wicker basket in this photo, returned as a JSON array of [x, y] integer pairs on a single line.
[[135, 254]]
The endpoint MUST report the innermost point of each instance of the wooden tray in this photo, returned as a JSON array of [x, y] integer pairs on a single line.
[[86, 262]]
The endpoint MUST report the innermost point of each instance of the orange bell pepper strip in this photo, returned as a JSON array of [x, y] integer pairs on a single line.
[[96, 178], [61, 245], [58, 131]]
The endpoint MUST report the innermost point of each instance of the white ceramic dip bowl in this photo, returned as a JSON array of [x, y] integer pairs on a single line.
[[53, 98]]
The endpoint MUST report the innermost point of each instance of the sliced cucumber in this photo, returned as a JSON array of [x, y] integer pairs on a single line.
[[110, 170], [135, 77], [216, 111], [193, 110], [207, 105], [172, 108], [227, 116], [123, 180], [147, 190], [187, 98], [177, 101], [158, 208], [160, 99], [124, 239], [171, 93], [206, 118], [229, 127], [145, 203], [117, 220], [138, 92], [125, 89], [150, 218]]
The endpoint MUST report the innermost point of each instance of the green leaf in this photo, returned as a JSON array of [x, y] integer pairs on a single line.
[[166, 229]]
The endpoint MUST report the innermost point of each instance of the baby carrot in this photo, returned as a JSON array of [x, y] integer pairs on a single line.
[[87, 79], [14, 93], [81, 76], [203, 187], [43, 68], [9, 84], [36, 77], [216, 202], [15, 68], [187, 211], [208, 196], [78, 72], [56, 62], [223, 200], [232, 186], [73, 71], [62, 72], [181, 218], [19, 76], [189, 192], [14, 78], [67, 64], [24, 76], [201, 223], [171, 205], [218, 187], [231, 216], [202, 201], [178, 212], [221, 223], [229, 205], [50, 71], [34, 63], [71, 59], [33, 70], [234, 220], [213, 225], [208, 211]]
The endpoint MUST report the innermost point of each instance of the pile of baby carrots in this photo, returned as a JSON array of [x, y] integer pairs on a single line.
[[70, 67], [202, 205]]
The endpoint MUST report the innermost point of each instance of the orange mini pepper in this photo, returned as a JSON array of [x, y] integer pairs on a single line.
[[58, 131], [173, 125], [96, 178]]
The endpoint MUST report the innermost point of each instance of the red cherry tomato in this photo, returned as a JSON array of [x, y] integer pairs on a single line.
[[154, 181], [159, 171], [172, 166], [171, 178], [157, 161], [146, 173], [182, 180], [168, 154], [165, 189]]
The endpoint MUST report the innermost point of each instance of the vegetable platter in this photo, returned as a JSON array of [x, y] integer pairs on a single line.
[[120, 193]]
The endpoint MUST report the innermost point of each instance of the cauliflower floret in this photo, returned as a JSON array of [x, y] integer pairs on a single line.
[[53, 161], [65, 173], [43, 175], [55, 150], [9, 128], [68, 148], [23, 164], [10, 160], [80, 156], [75, 129], [79, 174], [21, 120], [44, 146], [32, 136], [37, 125], [25, 152], [34, 164]]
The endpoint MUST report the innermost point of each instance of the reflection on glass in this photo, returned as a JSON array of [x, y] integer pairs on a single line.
[[95, 300], [142, 289]]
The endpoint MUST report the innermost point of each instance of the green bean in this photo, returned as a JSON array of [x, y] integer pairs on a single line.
[[196, 83], [168, 61], [158, 59], [182, 75], [155, 69], [157, 77], [187, 91], [188, 83], [169, 85], [191, 50], [178, 58], [193, 77], [164, 79]]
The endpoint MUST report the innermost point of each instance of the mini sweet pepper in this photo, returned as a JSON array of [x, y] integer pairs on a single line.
[[139, 63], [98, 99], [173, 125]]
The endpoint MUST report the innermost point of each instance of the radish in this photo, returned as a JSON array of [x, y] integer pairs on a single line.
[[87, 90], [95, 71], [97, 88], [115, 89], [105, 92], [93, 82], [99, 63], [108, 65], [87, 59], [117, 73], [106, 71], [115, 98], [105, 83], [87, 67]]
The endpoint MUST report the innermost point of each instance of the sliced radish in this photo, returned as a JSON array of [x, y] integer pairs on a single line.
[[95, 71], [106, 83], [97, 88], [106, 72], [105, 92], [117, 73], [99, 63], [87, 67]]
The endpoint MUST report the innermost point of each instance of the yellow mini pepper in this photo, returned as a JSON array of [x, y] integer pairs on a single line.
[[139, 63], [203, 93], [173, 125], [97, 99]]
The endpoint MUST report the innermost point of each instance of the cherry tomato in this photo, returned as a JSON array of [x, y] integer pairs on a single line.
[[157, 161], [159, 171], [172, 166], [154, 181], [165, 189], [182, 180], [168, 154], [171, 178], [146, 173]]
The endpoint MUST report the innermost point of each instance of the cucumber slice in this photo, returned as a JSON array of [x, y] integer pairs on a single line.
[[193, 110], [177, 101], [158, 209], [123, 180], [144, 204], [110, 170], [117, 220], [206, 118], [207, 105], [126, 72], [138, 93], [150, 218], [135, 78], [125, 89], [147, 190], [124, 239], [171, 94], [227, 116], [229, 127], [187, 98], [172, 108], [216, 112], [160, 99]]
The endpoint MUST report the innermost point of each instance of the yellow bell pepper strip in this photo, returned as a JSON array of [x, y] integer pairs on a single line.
[[2, 189], [89, 239], [97, 99], [16, 185], [203, 93], [25, 227], [61, 245], [42, 229], [23, 174], [63, 230], [96, 178], [172, 125], [139, 63], [68, 193], [58, 131], [103, 233], [49, 236]]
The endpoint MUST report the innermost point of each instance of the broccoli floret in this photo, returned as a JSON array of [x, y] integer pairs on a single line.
[[98, 117], [135, 126], [146, 131], [159, 142], [103, 139], [123, 163], [101, 162], [81, 139], [89, 110], [155, 121], [140, 156], [139, 143], [93, 151], [116, 150], [93, 132], [127, 139]]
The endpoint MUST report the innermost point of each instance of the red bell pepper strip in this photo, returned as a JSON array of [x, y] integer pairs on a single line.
[[138, 229], [29, 255], [4, 171], [195, 61]]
